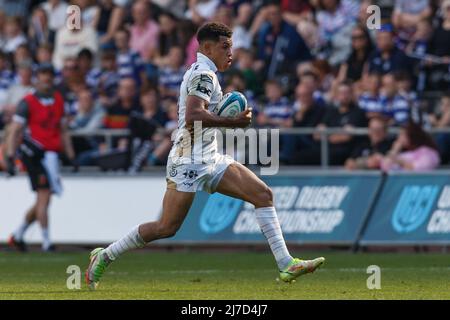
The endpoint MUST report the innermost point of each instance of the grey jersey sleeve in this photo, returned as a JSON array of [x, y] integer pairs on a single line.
[[202, 86]]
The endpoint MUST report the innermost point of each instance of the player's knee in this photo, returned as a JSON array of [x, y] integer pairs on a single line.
[[264, 198]]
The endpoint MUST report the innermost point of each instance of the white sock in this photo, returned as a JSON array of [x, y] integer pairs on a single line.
[[18, 234], [132, 240], [270, 226], [46, 243]]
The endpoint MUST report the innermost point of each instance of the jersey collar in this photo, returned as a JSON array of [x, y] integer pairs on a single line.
[[202, 58]]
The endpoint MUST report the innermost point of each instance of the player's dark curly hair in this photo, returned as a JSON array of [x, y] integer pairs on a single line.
[[213, 31]]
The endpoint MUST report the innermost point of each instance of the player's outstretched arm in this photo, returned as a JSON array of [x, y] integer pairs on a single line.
[[196, 110]]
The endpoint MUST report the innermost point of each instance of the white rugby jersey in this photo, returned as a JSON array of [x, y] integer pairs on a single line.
[[200, 80]]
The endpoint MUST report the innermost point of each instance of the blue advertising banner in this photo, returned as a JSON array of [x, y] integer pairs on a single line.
[[412, 209], [312, 208]]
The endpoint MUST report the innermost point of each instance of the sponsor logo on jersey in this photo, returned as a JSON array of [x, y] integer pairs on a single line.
[[203, 90]]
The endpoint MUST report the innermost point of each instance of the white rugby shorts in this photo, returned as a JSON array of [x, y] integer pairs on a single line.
[[193, 177]]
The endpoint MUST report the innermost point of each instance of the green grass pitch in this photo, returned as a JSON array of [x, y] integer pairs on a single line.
[[197, 275]]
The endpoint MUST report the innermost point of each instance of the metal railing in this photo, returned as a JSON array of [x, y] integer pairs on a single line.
[[110, 134]]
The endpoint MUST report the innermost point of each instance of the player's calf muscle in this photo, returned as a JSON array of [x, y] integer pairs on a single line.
[[157, 230], [167, 229], [175, 208]]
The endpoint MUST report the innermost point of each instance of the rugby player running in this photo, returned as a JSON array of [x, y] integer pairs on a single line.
[[194, 164]]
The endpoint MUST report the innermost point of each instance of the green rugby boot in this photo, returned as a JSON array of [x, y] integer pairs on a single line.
[[98, 262], [298, 267]]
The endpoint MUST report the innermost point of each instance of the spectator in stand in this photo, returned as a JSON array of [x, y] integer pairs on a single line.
[[117, 115], [439, 46], [442, 120], [69, 42], [172, 117], [89, 11], [387, 57], [85, 62], [336, 19], [413, 150], [38, 30], [279, 45], [189, 41], [6, 78], [89, 115], [143, 125], [24, 85], [13, 92], [69, 73], [144, 31], [44, 55], [297, 12], [72, 82], [367, 154], [311, 78], [242, 35], [201, 10], [103, 23], [324, 72], [163, 139], [117, 18], [404, 86], [224, 14], [353, 68], [56, 11], [346, 115], [129, 61], [103, 81], [89, 118], [369, 98], [171, 75], [394, 105], [417, 49], [168, 37], [13, 34], [244, 64], [418, 44], [236, 82], [277, 109], [308, 113], [22, 53], [407, 15]]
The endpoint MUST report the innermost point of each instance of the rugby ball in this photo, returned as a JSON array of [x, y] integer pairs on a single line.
[[231, 105]]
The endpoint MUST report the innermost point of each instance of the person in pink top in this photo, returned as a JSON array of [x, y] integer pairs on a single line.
[[414, 150], [144, 31]]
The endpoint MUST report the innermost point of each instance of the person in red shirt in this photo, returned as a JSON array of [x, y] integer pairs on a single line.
[[41, 114]]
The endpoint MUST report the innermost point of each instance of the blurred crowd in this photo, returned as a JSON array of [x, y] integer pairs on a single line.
[[300, 63]]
